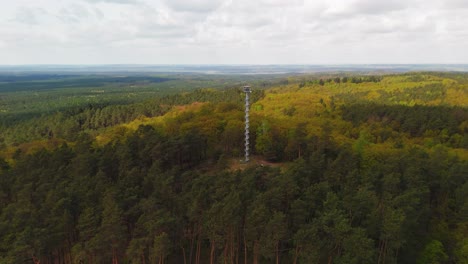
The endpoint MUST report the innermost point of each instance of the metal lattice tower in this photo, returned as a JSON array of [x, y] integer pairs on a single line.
[[247, 92]]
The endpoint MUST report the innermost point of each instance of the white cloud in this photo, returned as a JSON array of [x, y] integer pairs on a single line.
[[228, 31]]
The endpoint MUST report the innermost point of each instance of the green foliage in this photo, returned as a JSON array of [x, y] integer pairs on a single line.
[[415, 120], [357, 182], [269, 142], [433, 253]]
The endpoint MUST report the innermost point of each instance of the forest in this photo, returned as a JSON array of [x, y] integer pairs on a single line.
[[146, 168]]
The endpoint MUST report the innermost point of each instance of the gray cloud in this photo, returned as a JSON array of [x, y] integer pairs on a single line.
[[373, 7], [202, 6], [31, 16], [74, 14], [345, 10], [455, 4], [114, 1], [240, 31]]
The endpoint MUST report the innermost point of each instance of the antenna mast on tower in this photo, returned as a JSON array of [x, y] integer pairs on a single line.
[[247, 92]]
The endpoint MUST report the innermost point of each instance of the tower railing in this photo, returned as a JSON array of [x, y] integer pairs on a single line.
[[247, 92]]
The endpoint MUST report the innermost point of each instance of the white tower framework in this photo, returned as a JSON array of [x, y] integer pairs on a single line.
[[247, 92]]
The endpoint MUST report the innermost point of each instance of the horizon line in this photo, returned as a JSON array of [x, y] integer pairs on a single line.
[[224, 64]]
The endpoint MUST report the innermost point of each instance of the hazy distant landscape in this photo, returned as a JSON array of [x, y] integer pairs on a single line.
[[232, 69]]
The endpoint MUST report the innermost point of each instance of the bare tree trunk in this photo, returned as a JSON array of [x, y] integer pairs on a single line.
[[245, 250], [183, 253], [230, 248], [296, 254], [115, 259], [385, 250], [192, 242], [277, 252], [236, 250], [70, 259], [212, 252], [380, 251], [255, 252], [197, 260], [225, 251]]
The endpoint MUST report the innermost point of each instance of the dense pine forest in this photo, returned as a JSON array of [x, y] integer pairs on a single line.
[[346, 168]]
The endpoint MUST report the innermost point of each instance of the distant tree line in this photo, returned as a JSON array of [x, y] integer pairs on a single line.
[[345, 79]]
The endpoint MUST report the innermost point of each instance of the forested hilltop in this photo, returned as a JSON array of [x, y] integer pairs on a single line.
[[346, 168]]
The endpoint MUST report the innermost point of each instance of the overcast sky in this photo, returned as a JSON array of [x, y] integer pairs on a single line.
[[233, 31]]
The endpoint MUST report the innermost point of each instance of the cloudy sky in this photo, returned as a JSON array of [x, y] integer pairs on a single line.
[[233, 31]]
